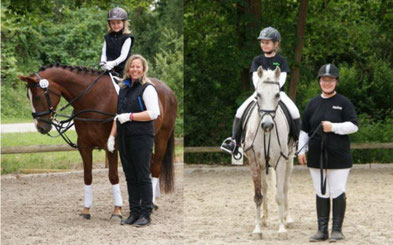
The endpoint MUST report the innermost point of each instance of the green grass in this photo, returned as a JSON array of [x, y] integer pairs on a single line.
[[13, 163]]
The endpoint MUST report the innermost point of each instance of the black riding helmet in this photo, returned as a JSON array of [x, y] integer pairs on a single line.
[[270, 33], [117, 14], [328, 70]]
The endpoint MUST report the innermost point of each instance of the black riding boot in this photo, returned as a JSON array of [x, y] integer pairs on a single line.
[[233, 145], [339, 205], [323, 210], [296, 130]]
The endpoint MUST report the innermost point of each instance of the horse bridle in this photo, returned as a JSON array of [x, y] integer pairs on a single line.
[[44, 85], [262, 114], [59, 125]]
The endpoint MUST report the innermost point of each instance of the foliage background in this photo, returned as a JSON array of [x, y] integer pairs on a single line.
[[355, 35], [35, 33]]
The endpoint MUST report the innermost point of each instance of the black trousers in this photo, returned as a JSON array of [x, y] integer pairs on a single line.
[[135, 155]]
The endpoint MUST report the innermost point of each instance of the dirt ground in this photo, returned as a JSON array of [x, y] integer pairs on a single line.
[[219, 207], [44, 209], [211, 205]]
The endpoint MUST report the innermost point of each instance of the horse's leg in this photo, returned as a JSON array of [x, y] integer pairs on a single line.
[[87, 158], [114, 179], [160, 148], [258, 198], [280, 179], [265, 201], [288, 173]]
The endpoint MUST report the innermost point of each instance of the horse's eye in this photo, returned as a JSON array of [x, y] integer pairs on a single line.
[[278, 95], [259, 95]]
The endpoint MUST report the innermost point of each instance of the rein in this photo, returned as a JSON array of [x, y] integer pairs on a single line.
[[59, 125], [266, 150], [323, 158]]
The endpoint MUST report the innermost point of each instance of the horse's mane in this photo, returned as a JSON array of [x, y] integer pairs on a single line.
[[72, 68]]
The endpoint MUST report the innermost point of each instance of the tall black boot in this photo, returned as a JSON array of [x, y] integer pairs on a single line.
[[323, 211], [234, 142], [296, 130], [339, 206]]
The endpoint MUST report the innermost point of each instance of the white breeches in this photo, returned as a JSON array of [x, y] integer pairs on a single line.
[[284, 98], [335, 183], [290, 105]]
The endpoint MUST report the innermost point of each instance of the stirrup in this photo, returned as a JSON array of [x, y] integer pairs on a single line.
[[236, 153], [226, 141]]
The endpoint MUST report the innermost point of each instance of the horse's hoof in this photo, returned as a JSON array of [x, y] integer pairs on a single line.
[[154, 207], [115, 218], [85, 216], [283, 235], [257, 235]]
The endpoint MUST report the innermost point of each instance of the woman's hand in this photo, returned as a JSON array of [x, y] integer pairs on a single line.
[[302, 159], [124, 117], [327, 126], [111, 143]]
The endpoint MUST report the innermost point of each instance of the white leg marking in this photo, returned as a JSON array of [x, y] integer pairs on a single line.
[[155, 182], [117, 195], [88, 196]]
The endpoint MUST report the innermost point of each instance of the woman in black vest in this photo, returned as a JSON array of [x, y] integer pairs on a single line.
[[118, 42], [137, 107], [328, 119]]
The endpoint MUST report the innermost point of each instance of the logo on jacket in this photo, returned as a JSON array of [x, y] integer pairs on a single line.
[[336, 107]]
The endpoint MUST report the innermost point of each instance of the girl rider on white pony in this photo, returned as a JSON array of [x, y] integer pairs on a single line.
[[270, 40]]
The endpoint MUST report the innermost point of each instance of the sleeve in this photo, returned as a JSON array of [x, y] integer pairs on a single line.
[[125, 49], [303, 142], [254, 65], [350, 121], [305, 122], [103, 52], [150, 98], [344, 128], [284, 66], [282, 79]]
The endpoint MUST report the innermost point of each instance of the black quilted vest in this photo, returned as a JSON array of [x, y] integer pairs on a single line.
[[131, 100]]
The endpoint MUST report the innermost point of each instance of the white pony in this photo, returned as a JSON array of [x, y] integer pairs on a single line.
[[267, 142]]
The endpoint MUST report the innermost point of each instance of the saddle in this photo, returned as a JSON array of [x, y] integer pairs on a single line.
[[247, 113]]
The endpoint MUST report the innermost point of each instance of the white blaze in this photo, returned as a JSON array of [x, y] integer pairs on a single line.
[[32, 106]]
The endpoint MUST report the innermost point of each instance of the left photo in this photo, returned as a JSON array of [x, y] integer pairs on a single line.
[[91, 122]]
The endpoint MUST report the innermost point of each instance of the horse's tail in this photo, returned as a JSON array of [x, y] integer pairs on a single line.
[[167, 170]]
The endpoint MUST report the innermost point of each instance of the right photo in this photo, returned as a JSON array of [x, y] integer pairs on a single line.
[[288, 122]]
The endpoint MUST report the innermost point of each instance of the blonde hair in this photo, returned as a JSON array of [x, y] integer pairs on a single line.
[[126, 28], [144, 78]]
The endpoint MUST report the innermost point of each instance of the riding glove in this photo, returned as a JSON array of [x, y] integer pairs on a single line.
[[111, 143], [124, 117], [109, 65]]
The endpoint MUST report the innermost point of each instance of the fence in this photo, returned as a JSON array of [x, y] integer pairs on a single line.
[[178, 141]]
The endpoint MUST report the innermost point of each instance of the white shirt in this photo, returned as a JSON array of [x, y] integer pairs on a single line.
[[150, 98], [123, 54]]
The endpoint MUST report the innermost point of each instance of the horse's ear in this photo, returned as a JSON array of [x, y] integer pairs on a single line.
[[26, 79], [260, 71], [277, 72]]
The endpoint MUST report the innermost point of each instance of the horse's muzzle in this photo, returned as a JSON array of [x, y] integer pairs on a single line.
[[267, 126], [44, 128]]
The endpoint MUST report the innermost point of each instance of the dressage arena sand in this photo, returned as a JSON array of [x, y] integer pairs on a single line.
[[219, 207], [44, 209], [215, 206]]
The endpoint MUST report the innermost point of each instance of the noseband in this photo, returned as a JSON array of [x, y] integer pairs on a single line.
[[44, 85]]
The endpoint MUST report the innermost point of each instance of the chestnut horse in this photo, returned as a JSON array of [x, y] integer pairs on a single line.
[[94, 100]]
